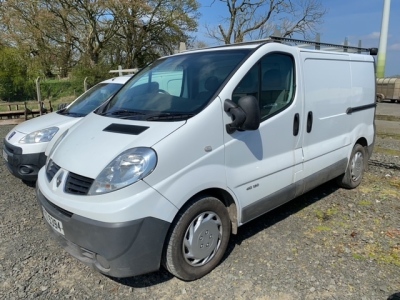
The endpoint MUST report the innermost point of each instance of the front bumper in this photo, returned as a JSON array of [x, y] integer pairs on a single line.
[[23, 166], [121, 249]]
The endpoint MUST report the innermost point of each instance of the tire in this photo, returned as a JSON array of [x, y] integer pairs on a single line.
[[355, 169], [198, 238]]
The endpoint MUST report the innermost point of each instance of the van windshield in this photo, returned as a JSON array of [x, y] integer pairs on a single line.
[[91, 99], [175, 87]]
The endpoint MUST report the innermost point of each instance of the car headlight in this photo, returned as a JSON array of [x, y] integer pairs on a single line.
[[39, 136], [127, 168]]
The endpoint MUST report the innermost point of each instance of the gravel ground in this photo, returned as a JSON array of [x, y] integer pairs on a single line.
[[330, 243]]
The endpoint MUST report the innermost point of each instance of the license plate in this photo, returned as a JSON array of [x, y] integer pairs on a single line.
[[53, 222], [5, 156]]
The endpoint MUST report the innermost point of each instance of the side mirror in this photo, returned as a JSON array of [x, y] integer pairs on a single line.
[[245, 114]]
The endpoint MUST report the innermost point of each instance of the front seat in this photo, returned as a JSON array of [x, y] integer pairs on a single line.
[[211, 85]]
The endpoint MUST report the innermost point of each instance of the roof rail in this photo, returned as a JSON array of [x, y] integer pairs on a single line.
[[332, 47]]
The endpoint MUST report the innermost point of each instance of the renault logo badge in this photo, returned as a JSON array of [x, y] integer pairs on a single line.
[[59, 178]]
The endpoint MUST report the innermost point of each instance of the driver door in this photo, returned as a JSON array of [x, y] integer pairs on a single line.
[[261, 164]]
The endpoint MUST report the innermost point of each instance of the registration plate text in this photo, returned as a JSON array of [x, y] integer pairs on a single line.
[[53, 222]]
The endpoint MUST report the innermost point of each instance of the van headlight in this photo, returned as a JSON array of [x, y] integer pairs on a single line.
[[127, 168], [39, 136]]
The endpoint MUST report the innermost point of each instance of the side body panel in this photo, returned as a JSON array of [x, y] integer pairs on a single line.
[[327, 96], [191, 159], [363, 100], [339, 92]]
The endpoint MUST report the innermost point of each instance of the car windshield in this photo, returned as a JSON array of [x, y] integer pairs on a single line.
[[174, 88], [91, 99]]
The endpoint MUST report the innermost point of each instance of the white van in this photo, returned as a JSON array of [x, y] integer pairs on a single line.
[[25, 145], [165, 171]]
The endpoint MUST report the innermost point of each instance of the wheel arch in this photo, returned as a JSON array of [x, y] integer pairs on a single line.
[[225, 198], [362, 141], [368, 150]]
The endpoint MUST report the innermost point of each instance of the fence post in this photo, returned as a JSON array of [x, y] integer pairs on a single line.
[[85, 84], [39, 97]]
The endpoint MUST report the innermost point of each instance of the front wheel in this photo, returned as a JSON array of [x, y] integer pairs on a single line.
[[355, 169], [197, 239]]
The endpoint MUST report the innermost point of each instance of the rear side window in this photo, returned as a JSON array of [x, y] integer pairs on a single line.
[[271, 81]]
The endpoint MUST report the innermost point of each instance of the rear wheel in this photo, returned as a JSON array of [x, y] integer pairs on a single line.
[[355, 169], [198, 238]]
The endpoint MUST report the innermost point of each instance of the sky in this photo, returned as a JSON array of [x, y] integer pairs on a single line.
[[352, 19]]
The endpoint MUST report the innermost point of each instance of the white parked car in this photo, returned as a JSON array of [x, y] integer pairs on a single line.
[[198, 144], [25, 145]]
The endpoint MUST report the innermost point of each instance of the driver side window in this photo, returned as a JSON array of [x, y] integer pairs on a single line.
[[271, 81]]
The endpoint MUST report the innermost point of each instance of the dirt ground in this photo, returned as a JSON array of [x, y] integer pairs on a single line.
[[330, 243]]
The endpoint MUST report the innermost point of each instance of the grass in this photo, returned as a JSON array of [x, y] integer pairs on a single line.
[[376, 252], [386, 151], [358, 256], [326, 215], [358, 221], [365, 203], [322, 228], [386, 135], [387, 118]]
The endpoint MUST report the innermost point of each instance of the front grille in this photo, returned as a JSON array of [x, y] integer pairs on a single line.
[[77, 184], [51, 170], [59, 209]]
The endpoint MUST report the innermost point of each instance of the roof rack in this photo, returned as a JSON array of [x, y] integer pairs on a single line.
[[303, 44], [331, 47]]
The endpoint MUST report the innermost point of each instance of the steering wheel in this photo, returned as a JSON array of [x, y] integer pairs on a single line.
[[163, 92]]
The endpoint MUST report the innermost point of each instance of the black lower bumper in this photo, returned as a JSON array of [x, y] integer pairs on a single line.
[[115, 249], [23, 166]]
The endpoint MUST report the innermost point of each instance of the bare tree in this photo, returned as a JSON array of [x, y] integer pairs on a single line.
[[152, 28], [259, 19]]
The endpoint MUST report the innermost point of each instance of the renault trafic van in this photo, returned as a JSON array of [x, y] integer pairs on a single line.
[[198, 144], [24, 149]]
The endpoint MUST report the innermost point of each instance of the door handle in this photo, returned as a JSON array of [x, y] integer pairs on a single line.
[[296, 124], [309, 121]]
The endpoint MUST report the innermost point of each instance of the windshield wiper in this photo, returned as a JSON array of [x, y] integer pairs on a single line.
[[72, 114], [170, 116], [122, 113]]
